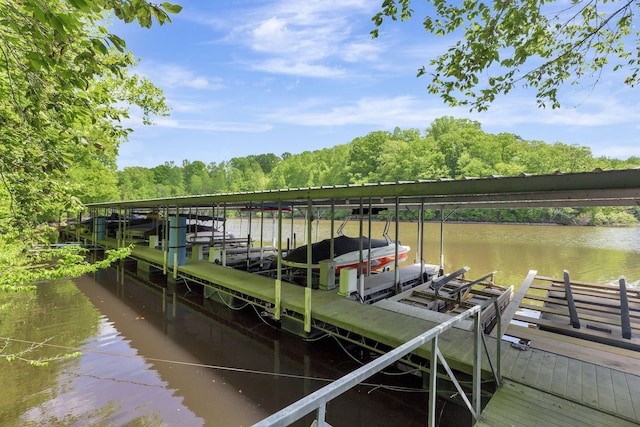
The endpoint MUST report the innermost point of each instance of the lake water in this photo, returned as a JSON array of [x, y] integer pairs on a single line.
[[218, 367]]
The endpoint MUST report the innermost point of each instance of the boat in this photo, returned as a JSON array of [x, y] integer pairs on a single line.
[[377, 254]]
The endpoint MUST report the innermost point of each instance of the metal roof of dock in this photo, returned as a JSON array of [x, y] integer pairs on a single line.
[[595, 188]]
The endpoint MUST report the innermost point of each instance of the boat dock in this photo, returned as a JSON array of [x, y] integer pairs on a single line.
[[542, 376]]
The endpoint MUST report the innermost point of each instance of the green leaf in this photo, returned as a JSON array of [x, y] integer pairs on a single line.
[[36, 60], [99, 46], [81, 4], [171, 8], [117, 42]]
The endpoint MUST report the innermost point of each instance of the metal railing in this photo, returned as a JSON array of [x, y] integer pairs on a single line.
[[318, 400]]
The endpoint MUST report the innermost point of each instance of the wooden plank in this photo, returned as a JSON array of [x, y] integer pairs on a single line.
[[613, 339], [579, 305], [559, 378], [530, 375], [543, 380], [607, 294], [593, 300], [589, 385], [621, 393], [519, 367], [580, 283], [604, 384], [574, 380], [634, 391], [509, 357], [583, 315]]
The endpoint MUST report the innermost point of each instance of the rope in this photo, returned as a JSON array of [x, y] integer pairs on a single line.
[[202, 365]]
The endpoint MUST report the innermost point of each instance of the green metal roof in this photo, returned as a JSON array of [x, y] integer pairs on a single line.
[[596, 188]]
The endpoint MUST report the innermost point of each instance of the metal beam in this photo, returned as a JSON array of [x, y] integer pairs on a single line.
[[598, 188]]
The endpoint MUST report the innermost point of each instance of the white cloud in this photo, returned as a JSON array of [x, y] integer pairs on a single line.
[[171, 76], [384, 112], [214, 126], [278, 66], [595, 111], [311, 38], [199, 125]]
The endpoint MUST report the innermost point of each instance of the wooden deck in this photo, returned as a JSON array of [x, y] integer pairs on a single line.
[[598, 313], [555, 382], [519, 405], [565, 379]]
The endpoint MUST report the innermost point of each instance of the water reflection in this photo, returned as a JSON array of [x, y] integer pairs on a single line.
[[140, 367], [234, 369]]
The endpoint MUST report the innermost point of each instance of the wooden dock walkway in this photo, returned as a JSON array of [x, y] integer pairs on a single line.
[[586, 385], [542, 381], [518, 405], [565, 380]]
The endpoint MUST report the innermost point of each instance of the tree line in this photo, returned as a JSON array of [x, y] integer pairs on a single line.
[[448, 148]]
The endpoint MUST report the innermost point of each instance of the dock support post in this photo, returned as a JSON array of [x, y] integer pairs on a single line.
[[307, 309], [441, 272], [277, 310], [573, 313], [625, 322], [165, 239], [332, 253], [477, 364], [278, 289], [396, 266], [307, 290], [433, 380]]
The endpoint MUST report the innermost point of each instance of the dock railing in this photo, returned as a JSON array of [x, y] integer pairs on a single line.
[[317, 401]]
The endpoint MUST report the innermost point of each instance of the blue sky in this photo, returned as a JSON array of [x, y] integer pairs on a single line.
[[253, 77]]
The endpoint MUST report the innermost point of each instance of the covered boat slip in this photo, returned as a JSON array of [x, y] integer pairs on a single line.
[[563, 371]]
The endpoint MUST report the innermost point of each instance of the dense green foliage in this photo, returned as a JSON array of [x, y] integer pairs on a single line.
[[65, 87], [449, 148], [532, 43]]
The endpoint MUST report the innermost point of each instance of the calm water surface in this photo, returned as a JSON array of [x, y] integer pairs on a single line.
[[139, 367], [219, 367]]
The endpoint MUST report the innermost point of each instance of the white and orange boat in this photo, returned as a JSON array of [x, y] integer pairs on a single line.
[[376, 254]]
